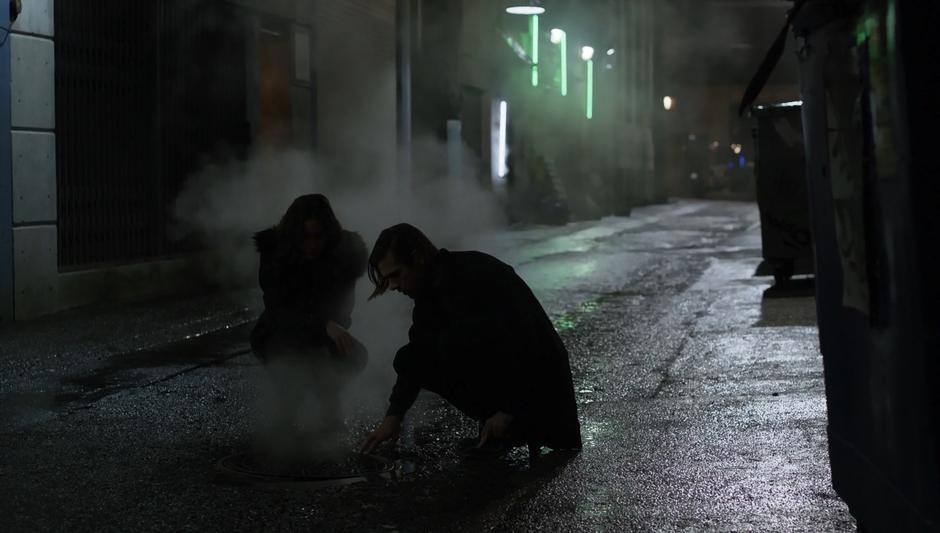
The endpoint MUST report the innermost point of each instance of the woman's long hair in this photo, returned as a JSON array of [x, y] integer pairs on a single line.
[[290, 230]]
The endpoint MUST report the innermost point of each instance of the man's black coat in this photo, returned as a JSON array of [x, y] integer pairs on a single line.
[[481, 340]]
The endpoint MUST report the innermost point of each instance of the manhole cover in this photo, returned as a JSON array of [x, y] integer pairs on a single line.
[[353, 467]]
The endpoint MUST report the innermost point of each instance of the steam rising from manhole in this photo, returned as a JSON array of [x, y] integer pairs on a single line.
[[248, 467]]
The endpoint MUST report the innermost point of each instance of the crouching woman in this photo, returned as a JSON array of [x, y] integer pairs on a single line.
[[308, 270]]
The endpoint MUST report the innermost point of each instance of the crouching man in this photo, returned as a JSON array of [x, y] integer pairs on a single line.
[[480, 339]]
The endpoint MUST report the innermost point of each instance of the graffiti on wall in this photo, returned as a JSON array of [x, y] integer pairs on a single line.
[[843, 98]]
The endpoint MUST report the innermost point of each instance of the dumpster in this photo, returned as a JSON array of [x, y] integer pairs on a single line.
[[869, 80], [780, 170]]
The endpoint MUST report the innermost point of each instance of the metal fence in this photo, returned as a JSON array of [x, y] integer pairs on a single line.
[[145, 91]]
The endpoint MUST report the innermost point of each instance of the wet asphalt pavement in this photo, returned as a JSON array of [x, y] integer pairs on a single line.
[[702, 404]]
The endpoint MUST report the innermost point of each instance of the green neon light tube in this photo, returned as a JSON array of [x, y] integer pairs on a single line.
[[534, 29], [564, 65], [590, 89]]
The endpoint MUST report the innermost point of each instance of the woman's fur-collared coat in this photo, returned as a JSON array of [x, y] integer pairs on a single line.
[[300, 297]]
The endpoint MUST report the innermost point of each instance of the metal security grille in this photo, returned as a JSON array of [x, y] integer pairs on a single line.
[[144, 92]]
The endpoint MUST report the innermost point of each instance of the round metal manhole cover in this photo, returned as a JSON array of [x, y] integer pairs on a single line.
[[350, 468]]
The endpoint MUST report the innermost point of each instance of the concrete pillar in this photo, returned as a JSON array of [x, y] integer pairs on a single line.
[[6, 178], [33, 170]]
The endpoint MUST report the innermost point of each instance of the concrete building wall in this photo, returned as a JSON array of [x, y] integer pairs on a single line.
[[342, 98], [181, 275], [32, 94], [6, 179]]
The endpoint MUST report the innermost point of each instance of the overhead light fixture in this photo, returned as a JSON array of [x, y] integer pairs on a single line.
[[668, 102], [587, 53], [610, 51], [525, 10], [556, 35]]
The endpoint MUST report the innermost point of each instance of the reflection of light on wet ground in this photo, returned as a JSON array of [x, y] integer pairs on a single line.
[[595, 505], [585, 395], [594, 432], [564, 322], [571, 319], [559, 274], [588, 307]]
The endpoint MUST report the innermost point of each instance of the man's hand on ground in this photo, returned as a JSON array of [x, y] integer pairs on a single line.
[[496, 427], [389, 429]]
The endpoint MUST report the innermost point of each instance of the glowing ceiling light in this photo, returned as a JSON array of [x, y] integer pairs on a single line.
[[556, 35], [525, 10], [587, 53], [668, 103]]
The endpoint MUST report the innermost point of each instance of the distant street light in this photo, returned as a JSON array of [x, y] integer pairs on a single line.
[[610, 51], [587, 53], [668, 103]]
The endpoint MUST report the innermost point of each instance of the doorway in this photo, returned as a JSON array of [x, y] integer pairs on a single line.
[[274, 56]]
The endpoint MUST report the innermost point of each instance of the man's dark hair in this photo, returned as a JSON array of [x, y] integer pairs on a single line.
[[291, 228], [406, 243]]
